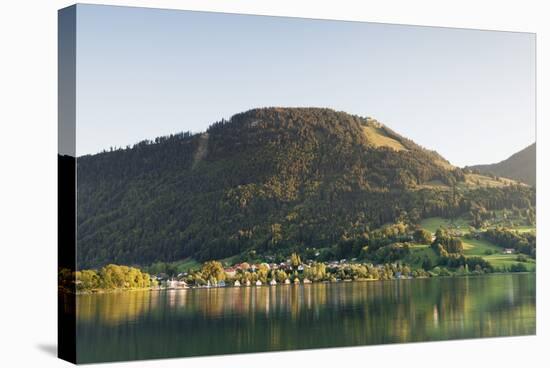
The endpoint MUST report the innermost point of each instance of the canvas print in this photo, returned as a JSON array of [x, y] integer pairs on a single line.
[[237, 183]]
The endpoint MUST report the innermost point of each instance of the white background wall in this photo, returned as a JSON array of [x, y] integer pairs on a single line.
[[28, 147]]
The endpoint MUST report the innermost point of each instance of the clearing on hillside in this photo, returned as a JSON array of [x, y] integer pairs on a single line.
[[476, 180], [433, 223], [379, 138], [478, 247]]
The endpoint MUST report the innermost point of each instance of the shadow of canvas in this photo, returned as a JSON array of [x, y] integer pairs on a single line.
[[50, 349]]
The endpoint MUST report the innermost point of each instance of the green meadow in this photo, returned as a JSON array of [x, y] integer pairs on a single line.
[[493, 253]]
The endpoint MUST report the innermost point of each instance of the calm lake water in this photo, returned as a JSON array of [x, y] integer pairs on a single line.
[[161, 324]]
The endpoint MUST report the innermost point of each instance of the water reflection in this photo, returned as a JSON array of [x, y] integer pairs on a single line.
[[139, 325]]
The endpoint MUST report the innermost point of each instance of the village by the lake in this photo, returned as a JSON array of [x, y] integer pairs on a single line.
[[441, 248]]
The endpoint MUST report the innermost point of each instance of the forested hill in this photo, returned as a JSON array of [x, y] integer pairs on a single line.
[[267, 179], [520, 166]]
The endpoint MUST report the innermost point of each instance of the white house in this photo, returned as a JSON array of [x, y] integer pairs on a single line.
[[176, 284]]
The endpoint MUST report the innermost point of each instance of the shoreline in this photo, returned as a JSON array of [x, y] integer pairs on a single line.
[[159, 289]]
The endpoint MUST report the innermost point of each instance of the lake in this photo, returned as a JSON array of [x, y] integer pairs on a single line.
[[179, 323]]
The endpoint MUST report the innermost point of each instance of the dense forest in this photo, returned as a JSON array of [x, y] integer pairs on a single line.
[[268, 180]]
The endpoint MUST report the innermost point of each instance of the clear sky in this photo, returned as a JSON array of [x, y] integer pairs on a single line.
[[142, 73]]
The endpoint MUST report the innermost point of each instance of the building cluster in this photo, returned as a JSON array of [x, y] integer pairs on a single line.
[[294, 274]]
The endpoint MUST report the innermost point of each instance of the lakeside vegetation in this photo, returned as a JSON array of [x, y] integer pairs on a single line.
[[109, 278], [397, 251]]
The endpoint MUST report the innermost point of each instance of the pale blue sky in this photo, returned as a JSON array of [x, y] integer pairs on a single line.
[[142, 73]]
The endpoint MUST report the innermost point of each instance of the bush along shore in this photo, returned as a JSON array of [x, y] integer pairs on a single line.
[[109, 278]]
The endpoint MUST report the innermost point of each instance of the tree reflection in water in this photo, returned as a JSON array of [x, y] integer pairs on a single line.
[[153, 324]]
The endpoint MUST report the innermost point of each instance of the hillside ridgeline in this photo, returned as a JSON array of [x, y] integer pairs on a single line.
[[266, 180]]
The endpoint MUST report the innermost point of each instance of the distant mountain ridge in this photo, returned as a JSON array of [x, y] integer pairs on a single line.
[[267, 180], [521, 166]]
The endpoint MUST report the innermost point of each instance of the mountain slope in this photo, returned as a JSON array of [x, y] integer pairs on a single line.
[[520, 166], [266, 180]]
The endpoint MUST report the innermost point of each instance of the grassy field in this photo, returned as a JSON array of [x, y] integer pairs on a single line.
[[379, 138], [507, 260], [476, 180], [229, 261], [478, 248], [419, 246], [187, 264], [434, 223], [475, 247], [525, 229], [472, 247]]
